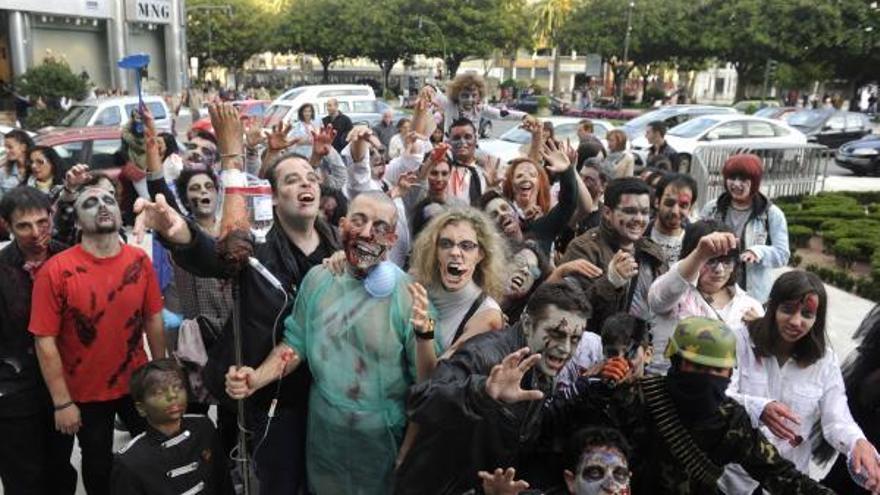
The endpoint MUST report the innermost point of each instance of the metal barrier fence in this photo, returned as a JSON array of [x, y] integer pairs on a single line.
[[788, 170]]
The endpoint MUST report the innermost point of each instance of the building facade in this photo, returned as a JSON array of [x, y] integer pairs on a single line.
[[92, 35]]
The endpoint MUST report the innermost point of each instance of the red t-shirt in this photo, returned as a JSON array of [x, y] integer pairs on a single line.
[[97, 308]]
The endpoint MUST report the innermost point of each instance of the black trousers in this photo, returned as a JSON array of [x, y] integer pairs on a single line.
[[33, 458], [96, 439]]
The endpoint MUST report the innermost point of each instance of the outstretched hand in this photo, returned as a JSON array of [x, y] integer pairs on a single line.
[[419, 320], [502, 482], [160, 217], [556, 157], [322, 140], [277, 139], [504, 380]]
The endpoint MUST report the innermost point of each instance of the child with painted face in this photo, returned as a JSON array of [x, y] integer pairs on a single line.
[[186, 445], [790, 381], [464, 99], [364, 336], [596, 464]]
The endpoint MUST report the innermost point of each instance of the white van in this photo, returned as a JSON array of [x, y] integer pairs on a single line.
[[352, 98], [115, 111]]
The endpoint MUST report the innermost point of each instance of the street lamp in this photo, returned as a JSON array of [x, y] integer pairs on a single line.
[[442, 38], [226, 9], [629, 15]]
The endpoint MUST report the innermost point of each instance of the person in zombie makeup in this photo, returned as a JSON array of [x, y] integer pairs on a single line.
[[675, 197], [92, 305], [789, 381], [436, 174], [759, 225], [528, 268], [178, 452], [471, 416], [298, 240], [32, 457], [464, 99], [596, 464], [683, 428], [363, 335], [630, 261]]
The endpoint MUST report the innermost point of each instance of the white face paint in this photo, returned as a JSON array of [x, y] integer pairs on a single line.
[[555, 334], [525, 271], [468, 97], [202, 196], [602, 471], [97, 212]]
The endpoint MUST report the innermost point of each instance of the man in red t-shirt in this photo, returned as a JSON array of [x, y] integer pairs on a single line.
[[91, 306]]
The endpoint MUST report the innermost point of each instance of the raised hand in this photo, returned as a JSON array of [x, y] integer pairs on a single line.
[[624, 265], [335, 264], [277, 139], [503, 383], [76, 176], [556, 158], [616, 369], [227, 127], [420, 320], [438, 154], [575, 267], [160, 217], [502, 482], [749, 257], [322, 140], [253, 132], [716, 244], [404, 184], [151, 143]]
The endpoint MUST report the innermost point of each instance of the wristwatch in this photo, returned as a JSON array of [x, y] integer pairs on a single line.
[[429, 333]]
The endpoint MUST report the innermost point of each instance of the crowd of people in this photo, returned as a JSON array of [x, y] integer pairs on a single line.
[[420, 318]]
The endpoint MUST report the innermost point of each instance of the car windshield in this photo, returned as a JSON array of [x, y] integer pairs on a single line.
[[807, 118], [293, 93], [644, 119], [517, 135], [692, 128], [78, 116], [766, 112]]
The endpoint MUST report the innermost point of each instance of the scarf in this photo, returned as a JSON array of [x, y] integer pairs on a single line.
[[696, 396]]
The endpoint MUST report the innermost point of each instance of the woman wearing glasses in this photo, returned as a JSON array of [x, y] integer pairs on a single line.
[[459, 258], [702, 283]]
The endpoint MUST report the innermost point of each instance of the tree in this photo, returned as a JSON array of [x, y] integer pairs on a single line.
[[549, 16], [457, 29], [228, 39], [388, 32], [661, 30], [322, 28], [49, 82]]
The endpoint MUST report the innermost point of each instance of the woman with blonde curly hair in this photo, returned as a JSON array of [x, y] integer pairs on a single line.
[[464, 99], [459, 258]]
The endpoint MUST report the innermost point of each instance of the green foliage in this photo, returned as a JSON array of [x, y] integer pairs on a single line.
[[543, 102], [653, 93], [799, 235], [42, 117], [234, 36], [52, 80], [321, 28]]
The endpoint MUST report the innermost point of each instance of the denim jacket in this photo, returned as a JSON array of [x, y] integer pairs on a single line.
[[765, 234]]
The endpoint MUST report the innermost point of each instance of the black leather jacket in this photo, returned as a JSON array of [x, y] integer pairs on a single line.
[[461, 429]]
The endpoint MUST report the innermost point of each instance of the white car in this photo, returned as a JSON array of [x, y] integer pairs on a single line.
[[515, 142], [115, 111], [732, 129]]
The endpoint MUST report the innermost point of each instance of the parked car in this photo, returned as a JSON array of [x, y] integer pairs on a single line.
[[671, 115], [830, 127], [246, 108], [94, 145], [371, 113], [862, 156], [751, 106], [731, 129], [352, 98], [515, 142], [114, 111], [530, 104], [777, 113]]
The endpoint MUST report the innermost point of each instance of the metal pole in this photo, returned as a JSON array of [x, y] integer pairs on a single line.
[[629, 14], [766, 82], [242, 460]]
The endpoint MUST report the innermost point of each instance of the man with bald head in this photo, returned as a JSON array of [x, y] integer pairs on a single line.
[[92, 305], [298, 240], [385, 130], [339, 121], [365, 335]]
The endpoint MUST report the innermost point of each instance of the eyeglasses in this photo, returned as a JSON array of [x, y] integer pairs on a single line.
[[466, 245], [634, 212], [726, 262]]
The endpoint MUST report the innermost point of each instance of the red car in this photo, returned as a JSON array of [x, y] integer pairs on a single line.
[[95, 146], [247, 109]]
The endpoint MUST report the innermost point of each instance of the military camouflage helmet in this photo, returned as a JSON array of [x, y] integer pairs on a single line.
[[703, 341]]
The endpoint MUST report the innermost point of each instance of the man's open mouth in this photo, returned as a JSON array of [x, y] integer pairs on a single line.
[[305, 197]]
